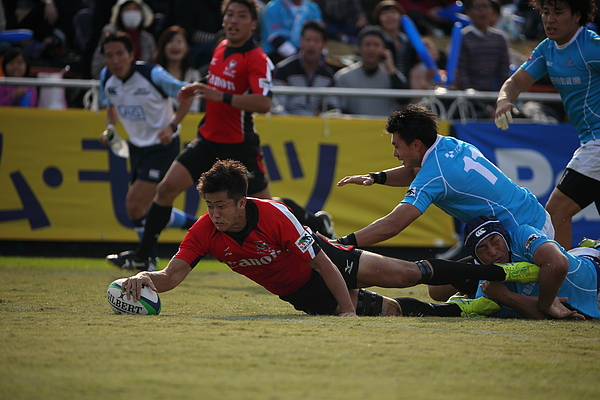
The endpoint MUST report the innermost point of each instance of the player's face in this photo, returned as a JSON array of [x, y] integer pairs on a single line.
[[238, 24], [226, 214], [312, 46], [408, 154], [559, 22], [493, 250], [117, 59], [177, 48]]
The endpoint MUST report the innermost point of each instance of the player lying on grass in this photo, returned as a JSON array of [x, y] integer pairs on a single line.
[[489, 242], [262, 240]]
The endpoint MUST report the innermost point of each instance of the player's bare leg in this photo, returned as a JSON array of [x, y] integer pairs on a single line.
[[377, 270], [176, 180], [139, 198], [562, 209]]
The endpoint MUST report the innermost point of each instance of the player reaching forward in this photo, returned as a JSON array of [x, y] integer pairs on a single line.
[[262, 240]]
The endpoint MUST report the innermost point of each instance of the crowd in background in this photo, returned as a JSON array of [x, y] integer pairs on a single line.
[[180, 35]]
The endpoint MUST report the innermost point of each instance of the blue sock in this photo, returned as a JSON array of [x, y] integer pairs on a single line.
[[180, 219]]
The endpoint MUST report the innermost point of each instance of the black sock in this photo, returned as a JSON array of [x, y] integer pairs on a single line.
[[156, 220], [445, 272], [417, 308]]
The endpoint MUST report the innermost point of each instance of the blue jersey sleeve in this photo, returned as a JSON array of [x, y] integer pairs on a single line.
[[168, 84], [536, 63]]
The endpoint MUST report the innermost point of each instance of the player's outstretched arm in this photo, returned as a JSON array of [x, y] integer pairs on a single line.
[[508, 94], [335, 282], [397, 177], [159, 281], [251, 102], [384, 228], [526, 305]]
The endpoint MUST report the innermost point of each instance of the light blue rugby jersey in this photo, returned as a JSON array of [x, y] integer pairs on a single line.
[[575, 73], [142, 101], [580, 285], [457, 178]]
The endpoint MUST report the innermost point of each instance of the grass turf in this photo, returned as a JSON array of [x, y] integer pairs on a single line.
[[220, 336]]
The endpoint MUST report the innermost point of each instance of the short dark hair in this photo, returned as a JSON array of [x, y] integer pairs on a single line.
[[251, 4], [586, 8], [315, 26], [118, 36], [468, 4], [413, 122], [225, 175], [386, 5], [370, 30]]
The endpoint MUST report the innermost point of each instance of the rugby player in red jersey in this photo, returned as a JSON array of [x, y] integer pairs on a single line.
[[262, 240]]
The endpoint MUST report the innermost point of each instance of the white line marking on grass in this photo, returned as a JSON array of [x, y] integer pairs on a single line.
[[313, 320]]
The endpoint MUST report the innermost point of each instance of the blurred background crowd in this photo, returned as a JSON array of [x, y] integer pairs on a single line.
[[180, 35]]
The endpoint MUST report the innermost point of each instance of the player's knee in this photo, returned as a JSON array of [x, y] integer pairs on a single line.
[[391, 308], [372, 304], [167, 191]]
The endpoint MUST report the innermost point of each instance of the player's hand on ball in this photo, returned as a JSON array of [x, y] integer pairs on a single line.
[[133, 286]]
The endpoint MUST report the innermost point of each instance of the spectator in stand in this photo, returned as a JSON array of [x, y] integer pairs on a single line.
[[202, 22], [343, 18], [131, 16], [421, 77], [51, 22], [387, 14], [282, 23], [15, 64], [173, 55], [484, 62], [376, 70], [306, 68]]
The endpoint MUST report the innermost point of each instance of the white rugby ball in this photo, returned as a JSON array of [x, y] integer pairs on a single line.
[[148, 304]]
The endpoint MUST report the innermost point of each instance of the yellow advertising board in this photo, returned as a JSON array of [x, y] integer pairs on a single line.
[[58, 183]]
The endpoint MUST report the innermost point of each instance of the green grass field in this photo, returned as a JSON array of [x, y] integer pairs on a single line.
[[220, 336]]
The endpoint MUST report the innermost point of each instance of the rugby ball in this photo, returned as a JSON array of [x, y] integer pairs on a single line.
[[148, 304]]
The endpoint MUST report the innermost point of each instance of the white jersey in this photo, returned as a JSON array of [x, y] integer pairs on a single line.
[[142, 100]]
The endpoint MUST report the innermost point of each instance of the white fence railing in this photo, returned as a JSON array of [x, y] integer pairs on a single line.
[[431, 98]]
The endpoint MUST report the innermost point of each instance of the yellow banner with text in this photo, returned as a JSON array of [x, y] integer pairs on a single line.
[[58, 183]]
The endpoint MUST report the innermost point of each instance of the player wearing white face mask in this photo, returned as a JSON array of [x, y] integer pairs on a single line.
[[133, 17]]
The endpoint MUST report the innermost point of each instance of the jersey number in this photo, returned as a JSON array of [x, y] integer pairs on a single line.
[[471, 164]]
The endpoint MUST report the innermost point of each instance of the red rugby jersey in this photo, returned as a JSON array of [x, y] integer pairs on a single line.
[[273, 249], [240, 70]]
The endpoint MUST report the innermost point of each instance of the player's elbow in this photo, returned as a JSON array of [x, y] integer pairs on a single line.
[[263, 105]]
